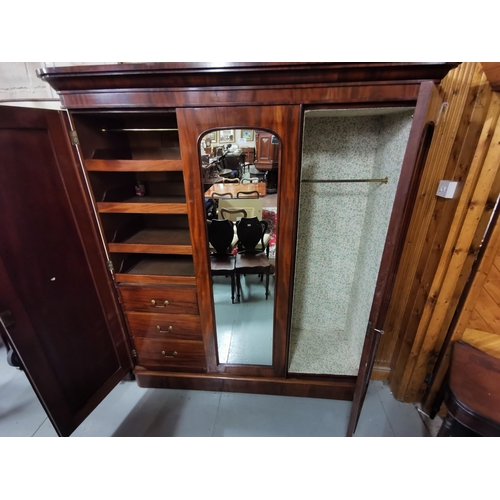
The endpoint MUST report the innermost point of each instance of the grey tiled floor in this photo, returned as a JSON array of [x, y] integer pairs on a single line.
[[131, 411], [239, 342]]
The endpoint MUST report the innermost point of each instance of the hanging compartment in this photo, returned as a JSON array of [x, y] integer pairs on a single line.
[[350, 170]]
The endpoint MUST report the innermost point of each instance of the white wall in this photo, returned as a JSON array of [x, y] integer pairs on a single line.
[[18, 81], [20, 86]]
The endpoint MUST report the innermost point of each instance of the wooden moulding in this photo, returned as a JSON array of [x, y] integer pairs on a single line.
[[341, 388], [142, 206], [476, 202], [133, 238], [184, 76], [133, 165], [164, 269]]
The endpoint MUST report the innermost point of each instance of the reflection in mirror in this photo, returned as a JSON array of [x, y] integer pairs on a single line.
[[239, 169]]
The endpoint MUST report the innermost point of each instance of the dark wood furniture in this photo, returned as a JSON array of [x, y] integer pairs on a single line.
[[249, 155], [267, 151], [249, 259], [234, 189], [89, 271], [266, 158], [221, 236], [472, 393]]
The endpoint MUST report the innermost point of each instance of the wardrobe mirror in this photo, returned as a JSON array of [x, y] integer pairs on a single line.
[[240, 171]]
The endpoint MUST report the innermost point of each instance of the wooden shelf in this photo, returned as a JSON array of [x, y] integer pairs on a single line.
[[146, 205], [152, 240], [133, 165], [168, 270]]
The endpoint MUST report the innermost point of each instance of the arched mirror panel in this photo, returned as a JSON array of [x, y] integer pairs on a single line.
[[240, 169]]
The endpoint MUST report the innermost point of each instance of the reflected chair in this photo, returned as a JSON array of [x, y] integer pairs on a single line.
[[228, 180], [215, 196], [247, 194], [233, 214], [250, 258], [471, 393], [263, 243], [250, 180], [222, 263]]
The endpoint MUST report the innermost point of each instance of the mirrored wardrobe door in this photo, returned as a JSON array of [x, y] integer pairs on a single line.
[[221, 181], [240, 190]]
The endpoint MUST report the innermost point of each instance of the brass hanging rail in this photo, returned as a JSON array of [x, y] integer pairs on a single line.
[[385, 180]]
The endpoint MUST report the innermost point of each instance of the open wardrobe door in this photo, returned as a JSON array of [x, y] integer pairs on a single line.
[[421, 132], [57, 300]]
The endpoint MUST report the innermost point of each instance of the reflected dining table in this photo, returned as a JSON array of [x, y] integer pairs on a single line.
[[252, 206], [233, 188]]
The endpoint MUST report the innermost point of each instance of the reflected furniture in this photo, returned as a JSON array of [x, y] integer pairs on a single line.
[[249, 155], [250, 259], [222, 238], [266, 158], [233, 214], [234, 189], [235, 163], [247, 194], [471, 393], [252, 205]]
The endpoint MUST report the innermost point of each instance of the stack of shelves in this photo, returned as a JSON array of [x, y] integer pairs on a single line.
[[135, 172]]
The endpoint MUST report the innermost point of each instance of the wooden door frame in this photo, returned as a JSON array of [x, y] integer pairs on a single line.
[[285, 123], [418, 146], [35, 309]]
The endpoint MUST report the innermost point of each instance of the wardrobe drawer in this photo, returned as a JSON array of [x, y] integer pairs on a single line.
[[176, 355], [159, 299], [164, 326]]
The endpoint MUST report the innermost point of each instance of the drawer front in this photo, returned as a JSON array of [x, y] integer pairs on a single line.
[[164, 326], [160, 299], [175, 355]]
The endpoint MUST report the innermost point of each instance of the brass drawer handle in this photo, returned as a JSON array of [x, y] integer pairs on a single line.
[[168, 356], [170, 328], [165, 304]]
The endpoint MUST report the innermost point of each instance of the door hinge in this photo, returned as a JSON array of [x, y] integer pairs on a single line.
[[110, 266], [74, 138], [429, 378]]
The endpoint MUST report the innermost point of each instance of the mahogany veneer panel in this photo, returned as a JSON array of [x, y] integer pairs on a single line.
[[172, 354], [168, 269], [152, 279], [133, 165], [175, 241], [146, 205], [181, 300], [476, 388], [342, 389], [189, 75], [171, 326]]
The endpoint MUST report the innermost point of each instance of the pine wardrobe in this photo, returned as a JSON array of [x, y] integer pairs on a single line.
[[104, 256]]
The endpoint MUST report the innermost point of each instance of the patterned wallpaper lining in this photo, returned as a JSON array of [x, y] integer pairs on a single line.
[[341, 235]]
